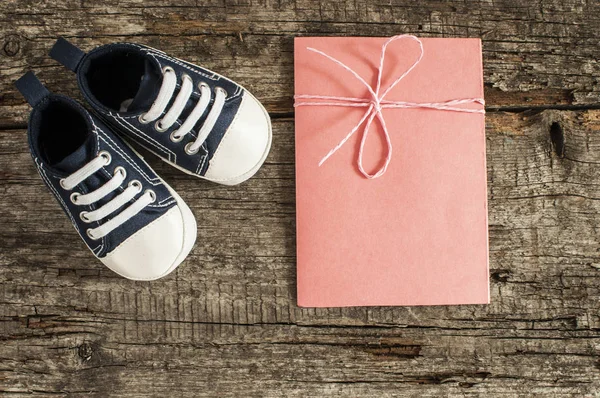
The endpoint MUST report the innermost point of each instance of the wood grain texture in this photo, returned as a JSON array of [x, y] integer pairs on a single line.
[[536, 55], [226, 323]]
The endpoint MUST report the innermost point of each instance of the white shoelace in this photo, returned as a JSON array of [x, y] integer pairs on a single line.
[[133, 188], [167, 89]]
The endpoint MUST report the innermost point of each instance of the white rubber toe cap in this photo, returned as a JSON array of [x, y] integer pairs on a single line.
[[245, 145], [155, 250]]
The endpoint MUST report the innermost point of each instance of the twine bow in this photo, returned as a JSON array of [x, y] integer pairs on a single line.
[[377, 103]]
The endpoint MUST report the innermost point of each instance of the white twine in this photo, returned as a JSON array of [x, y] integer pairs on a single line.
[[377, 103]]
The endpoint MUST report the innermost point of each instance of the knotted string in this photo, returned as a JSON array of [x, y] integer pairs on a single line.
[[377, 102]]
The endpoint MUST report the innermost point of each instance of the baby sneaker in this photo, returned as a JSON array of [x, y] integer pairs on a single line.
[[128, 217], [198, 121]]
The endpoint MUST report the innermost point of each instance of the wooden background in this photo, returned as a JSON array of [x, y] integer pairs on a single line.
[[226, 323]]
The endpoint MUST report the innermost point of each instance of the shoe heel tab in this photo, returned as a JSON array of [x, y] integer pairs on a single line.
[[67, 54], [31, 88]]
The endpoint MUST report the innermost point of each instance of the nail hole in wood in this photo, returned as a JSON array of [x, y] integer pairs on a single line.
[[557, 137], [501, 275], [11, 47], [85, 351]]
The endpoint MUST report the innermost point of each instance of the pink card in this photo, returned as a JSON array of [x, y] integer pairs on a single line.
[[416, 235]]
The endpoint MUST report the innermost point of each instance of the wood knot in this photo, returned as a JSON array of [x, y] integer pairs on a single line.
[[85, 351], [557, 137], [12, 46]]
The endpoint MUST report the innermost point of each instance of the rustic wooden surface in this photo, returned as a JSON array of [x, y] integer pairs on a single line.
[[226, 323]]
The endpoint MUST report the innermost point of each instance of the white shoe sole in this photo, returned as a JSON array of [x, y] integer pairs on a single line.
[[190, 231]]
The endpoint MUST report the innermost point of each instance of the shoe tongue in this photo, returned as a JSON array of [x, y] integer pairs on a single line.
[[78, 158], [147, 92]]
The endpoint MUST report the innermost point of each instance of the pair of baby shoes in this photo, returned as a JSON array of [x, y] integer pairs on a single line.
[[194, 119]]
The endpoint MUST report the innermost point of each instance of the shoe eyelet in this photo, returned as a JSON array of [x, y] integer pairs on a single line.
[[188, 150], [218, 88], [74, 197], [106, 156], [135, 183], [90, 235], [186, 76], [152, 195], [62, 184], [83, 216], [174, 137], [120, 170], [168, 69], [142, 120], [203, 84], [158, 127]]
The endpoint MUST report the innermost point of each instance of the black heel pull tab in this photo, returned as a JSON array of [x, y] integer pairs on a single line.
[[67, 54], [31, 88]]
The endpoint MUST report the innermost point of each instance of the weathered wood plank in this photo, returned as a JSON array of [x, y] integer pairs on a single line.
[[226, 322], [274, 360], [535, 54]]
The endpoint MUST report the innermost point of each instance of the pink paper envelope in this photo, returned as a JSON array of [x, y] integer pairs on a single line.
[[417, 235]]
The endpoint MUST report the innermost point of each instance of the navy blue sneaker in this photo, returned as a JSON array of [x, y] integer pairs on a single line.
[[197, 120], [127, 215]]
